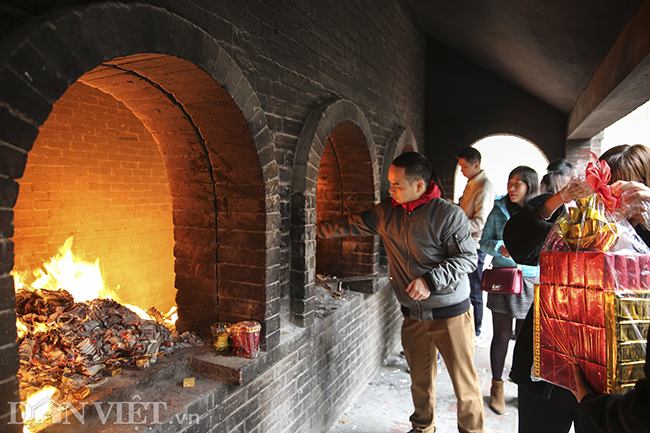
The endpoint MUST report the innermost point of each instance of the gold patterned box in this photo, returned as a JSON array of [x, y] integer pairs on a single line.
[[592, 309]]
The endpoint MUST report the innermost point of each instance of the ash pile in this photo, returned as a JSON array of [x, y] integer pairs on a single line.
[[76, 346]]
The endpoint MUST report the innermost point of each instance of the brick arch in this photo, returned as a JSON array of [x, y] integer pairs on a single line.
[[400, 141], [341, 129], [211, 169], [115, 38]]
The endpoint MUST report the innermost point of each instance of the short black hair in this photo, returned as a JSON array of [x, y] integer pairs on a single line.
[[416, 166], [470, 154]]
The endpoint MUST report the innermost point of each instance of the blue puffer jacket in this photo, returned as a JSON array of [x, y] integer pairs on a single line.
[[492, 238]]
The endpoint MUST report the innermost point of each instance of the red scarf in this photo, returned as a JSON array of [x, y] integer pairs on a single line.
[[432, 192]]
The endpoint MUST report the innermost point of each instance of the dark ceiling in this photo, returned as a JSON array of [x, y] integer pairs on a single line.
[[550, 48]]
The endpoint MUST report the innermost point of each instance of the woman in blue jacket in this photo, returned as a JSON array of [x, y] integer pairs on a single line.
[[522, 186]]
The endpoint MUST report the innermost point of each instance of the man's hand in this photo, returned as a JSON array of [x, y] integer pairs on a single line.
[[581, 383], [418, 290]]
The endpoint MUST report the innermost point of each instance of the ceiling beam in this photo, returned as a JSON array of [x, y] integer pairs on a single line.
[[620, 84]]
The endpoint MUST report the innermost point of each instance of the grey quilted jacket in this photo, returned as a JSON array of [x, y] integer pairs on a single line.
[[433, 241]]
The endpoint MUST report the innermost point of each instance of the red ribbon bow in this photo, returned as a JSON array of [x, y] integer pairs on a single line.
[[598, 176]]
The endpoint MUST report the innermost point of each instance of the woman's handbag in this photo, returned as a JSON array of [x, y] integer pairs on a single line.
[[506, 280]]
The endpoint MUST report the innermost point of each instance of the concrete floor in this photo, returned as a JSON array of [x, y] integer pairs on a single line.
[[385, 404]]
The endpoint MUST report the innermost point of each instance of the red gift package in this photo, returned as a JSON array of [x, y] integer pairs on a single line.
[[575, 269], [592, 306], [633, 273], [601, 331]]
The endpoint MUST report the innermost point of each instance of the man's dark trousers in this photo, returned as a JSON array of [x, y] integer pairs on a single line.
[[476, 296]]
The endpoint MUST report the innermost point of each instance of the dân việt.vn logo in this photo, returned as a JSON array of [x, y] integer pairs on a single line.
[[44, 410]]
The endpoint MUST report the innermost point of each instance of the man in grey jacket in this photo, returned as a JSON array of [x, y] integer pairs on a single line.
[[430, 252]]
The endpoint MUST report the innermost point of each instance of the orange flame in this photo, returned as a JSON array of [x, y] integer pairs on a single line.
[[84, 281], [37, 406], [21, 328], [65, 271]]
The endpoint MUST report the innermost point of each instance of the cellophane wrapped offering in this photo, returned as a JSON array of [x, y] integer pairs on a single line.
[[592, 304], [246, 338], [220, 335]]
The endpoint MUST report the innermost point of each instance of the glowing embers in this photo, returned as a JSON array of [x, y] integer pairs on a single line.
[[73, 340]]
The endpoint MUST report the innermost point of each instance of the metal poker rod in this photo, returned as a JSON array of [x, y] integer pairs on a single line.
[[321, 280]]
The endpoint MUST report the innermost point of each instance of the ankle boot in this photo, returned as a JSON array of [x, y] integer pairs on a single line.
[[497, 401]]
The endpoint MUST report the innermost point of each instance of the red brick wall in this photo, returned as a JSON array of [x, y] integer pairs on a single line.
[[96, 173], [215, 182], [345, 186], [328, 207]]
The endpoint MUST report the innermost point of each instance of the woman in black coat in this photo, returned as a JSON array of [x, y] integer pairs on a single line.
[[544, 407]]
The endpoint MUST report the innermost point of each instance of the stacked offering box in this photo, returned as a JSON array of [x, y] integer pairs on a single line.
[[592, 309]]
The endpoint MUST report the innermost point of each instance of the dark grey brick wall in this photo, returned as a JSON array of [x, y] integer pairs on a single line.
[[319, 372], [298, 54], [292, 56]]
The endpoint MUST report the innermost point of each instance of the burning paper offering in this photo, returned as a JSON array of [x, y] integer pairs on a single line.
[[73, 334]]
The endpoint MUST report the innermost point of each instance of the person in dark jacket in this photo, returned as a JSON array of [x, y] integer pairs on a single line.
[[544, 407], [430, 252]]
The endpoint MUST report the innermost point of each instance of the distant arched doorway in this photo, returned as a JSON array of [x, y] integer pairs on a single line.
[[500, 153]]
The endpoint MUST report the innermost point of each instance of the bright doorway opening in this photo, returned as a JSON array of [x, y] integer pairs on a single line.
[[499, 155]]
